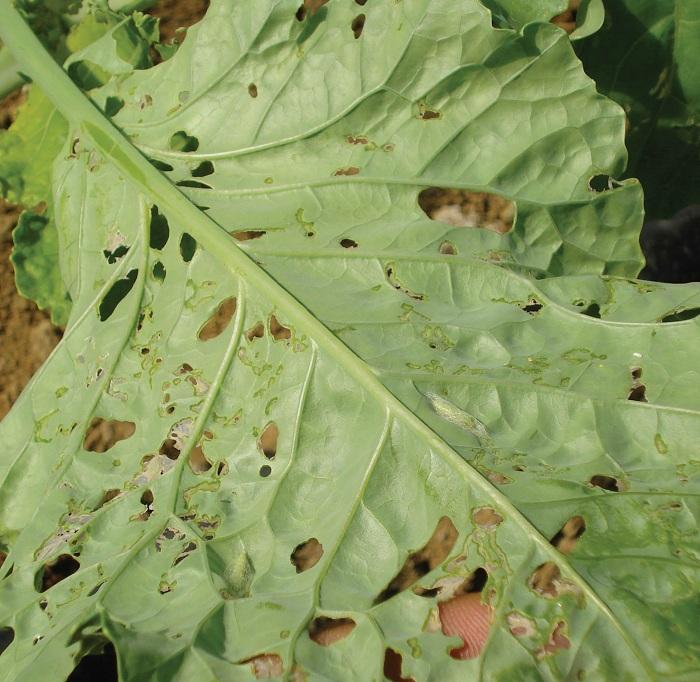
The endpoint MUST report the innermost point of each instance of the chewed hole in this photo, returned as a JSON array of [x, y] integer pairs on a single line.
[[257, 331], [327, 631], [448, 249], [198, 460], [113, 255], [219, 320], [532, 307], [566, 538], [161, 165], [433, 553], [362, 3], [638, 393], [182, 142], [266, 666], [147, 498], [169, 449], [460, 208], [358, 23], [306, 555], [300, 13], [393, 663], [100, 666], [682, 315], [103, 434], [278, 331], [203, 169], [348, 243], [487, 518], [267, 442], [253, 90], [592, 310], [59, 569], [467, 617], [605, 482], [196, 184], [7, 636], [602, 183], [247, 235], [188, 246], [116, 294], [159, 271], [113, 105], [159, 229]]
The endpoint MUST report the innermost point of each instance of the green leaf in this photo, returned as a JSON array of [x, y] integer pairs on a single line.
[[180, 448], [646, 58], [35, 257]]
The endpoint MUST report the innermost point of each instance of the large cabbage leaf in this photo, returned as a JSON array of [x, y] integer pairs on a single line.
[[295, 362]]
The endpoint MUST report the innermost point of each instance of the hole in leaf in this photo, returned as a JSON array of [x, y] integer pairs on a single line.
[[220, 319], [682, 315], [59, 569], [433, 553], [188, 246], [544, 580], [348, 243], [532, 307], [116, 294], [7, 636], [161, 165], [198, 460], [557, 641], [253, 90], [113, 105], [169, 449], [358, 23], [593, 310], [362, 3], [278, 331], [182, 142], [147, 498], [393, 662], [159, 230], [267, 443], [605, 482], [265, 470], [247, 235], [87, 75], [327, 631], [193, 183], [159, 271], [466, 617], [108, 496], [103, 434], [255, 332], [566, 538], [205, 168], [266, 666], [460, 208], [638, 390], [96, 666], [300, 14], [116, 254], [602, 183], [307, 554]]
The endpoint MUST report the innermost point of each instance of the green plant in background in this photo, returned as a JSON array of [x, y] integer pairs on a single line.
[[306, 377]]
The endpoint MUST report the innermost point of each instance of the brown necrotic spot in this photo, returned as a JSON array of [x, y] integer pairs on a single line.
[[219, 320], [198, 460], [253, 90], [424, 560], [393, 664], [257, 331], [247, 235], [266, 666], [605, 482], [448, 249], [326, 631], [267, 442], [358, 23], [566, 538], [486, 518], [278, 331], [59, 569], [347, 243], [103, 434], [306, 555], [350, 170], [556, 642], [461, 208]]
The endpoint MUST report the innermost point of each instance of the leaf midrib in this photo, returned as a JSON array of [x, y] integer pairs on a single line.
[[77, 108]]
